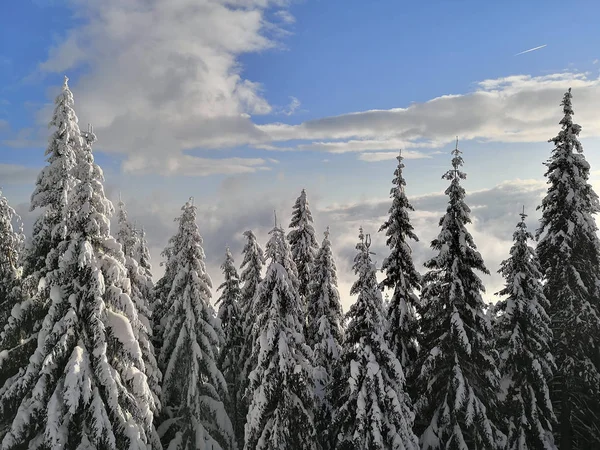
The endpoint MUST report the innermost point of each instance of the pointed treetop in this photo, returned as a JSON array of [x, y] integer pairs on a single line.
[[326, 233], [523, 215], [275, 215], [191, 201], [66, 83]]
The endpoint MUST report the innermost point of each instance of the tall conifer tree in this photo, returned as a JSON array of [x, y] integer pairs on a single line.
[[281, 386], [523, 341], [128, 237], [193, 388], [303, 243], [458, 378], [85, 385], [401, 277], [372, 409], [229, 356], [324, 329], [569, 253]]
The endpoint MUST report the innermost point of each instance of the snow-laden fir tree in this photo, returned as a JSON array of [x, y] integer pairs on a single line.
[[569, 253], [457, 375], [324, 328], [85, 384], [281, 385], [193, 387], [401, 277], [11, 246], [523, 341], [371, 408], [232, 325], [53, 184], [303, 242], [140, 289], [142, 256], [250, 277], [40, 256]]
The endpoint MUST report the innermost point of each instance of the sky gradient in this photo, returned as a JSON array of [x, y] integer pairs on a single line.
[[242, 103]]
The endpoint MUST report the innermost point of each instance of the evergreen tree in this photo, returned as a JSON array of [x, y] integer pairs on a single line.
[[458, 378], [193, 388], [569, 253], [85, 385], [53, 185], [142, 256], [303, 242], [128, 237], [372, 409], [251, 270], [40, 256], [401, 278], [281, 385], [11, 245], [523, 342], [324, 328], [229, 357]]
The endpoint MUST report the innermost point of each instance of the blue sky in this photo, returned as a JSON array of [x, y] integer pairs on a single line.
[[242, 108]]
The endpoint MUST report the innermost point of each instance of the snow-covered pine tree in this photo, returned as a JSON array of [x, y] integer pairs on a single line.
[[401, 278], [458, 379], [569, 253], [139, 290], [371, 408], [324, 328], [229, 356], [11, 246], [85, 384], [303, 242], [40, 256], [142, 256], [523, 341], [281, 385], [53, 184], [251, 277], [193, 388]]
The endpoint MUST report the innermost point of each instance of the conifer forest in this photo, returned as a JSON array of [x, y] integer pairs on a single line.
[[95, 353]]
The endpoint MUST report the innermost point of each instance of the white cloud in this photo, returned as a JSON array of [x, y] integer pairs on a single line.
[[292, 107], [186, 165], [518, 108], [163, 77], [386, 156]]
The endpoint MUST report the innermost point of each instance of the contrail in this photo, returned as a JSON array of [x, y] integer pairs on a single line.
[[531, 49]]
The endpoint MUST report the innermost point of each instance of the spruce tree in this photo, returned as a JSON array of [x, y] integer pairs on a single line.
[[303, 242], [401, 277], [11, 296], [11, 246], [458, 378], [193, 388], [85, 385], [128, 237], [569, 253], [229, 356], [324, 329], [281, 385], [250, 277], [372, 409], [40, 255], [523, 341]]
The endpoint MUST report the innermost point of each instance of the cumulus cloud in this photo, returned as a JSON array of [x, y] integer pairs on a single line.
[[163, 77]]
